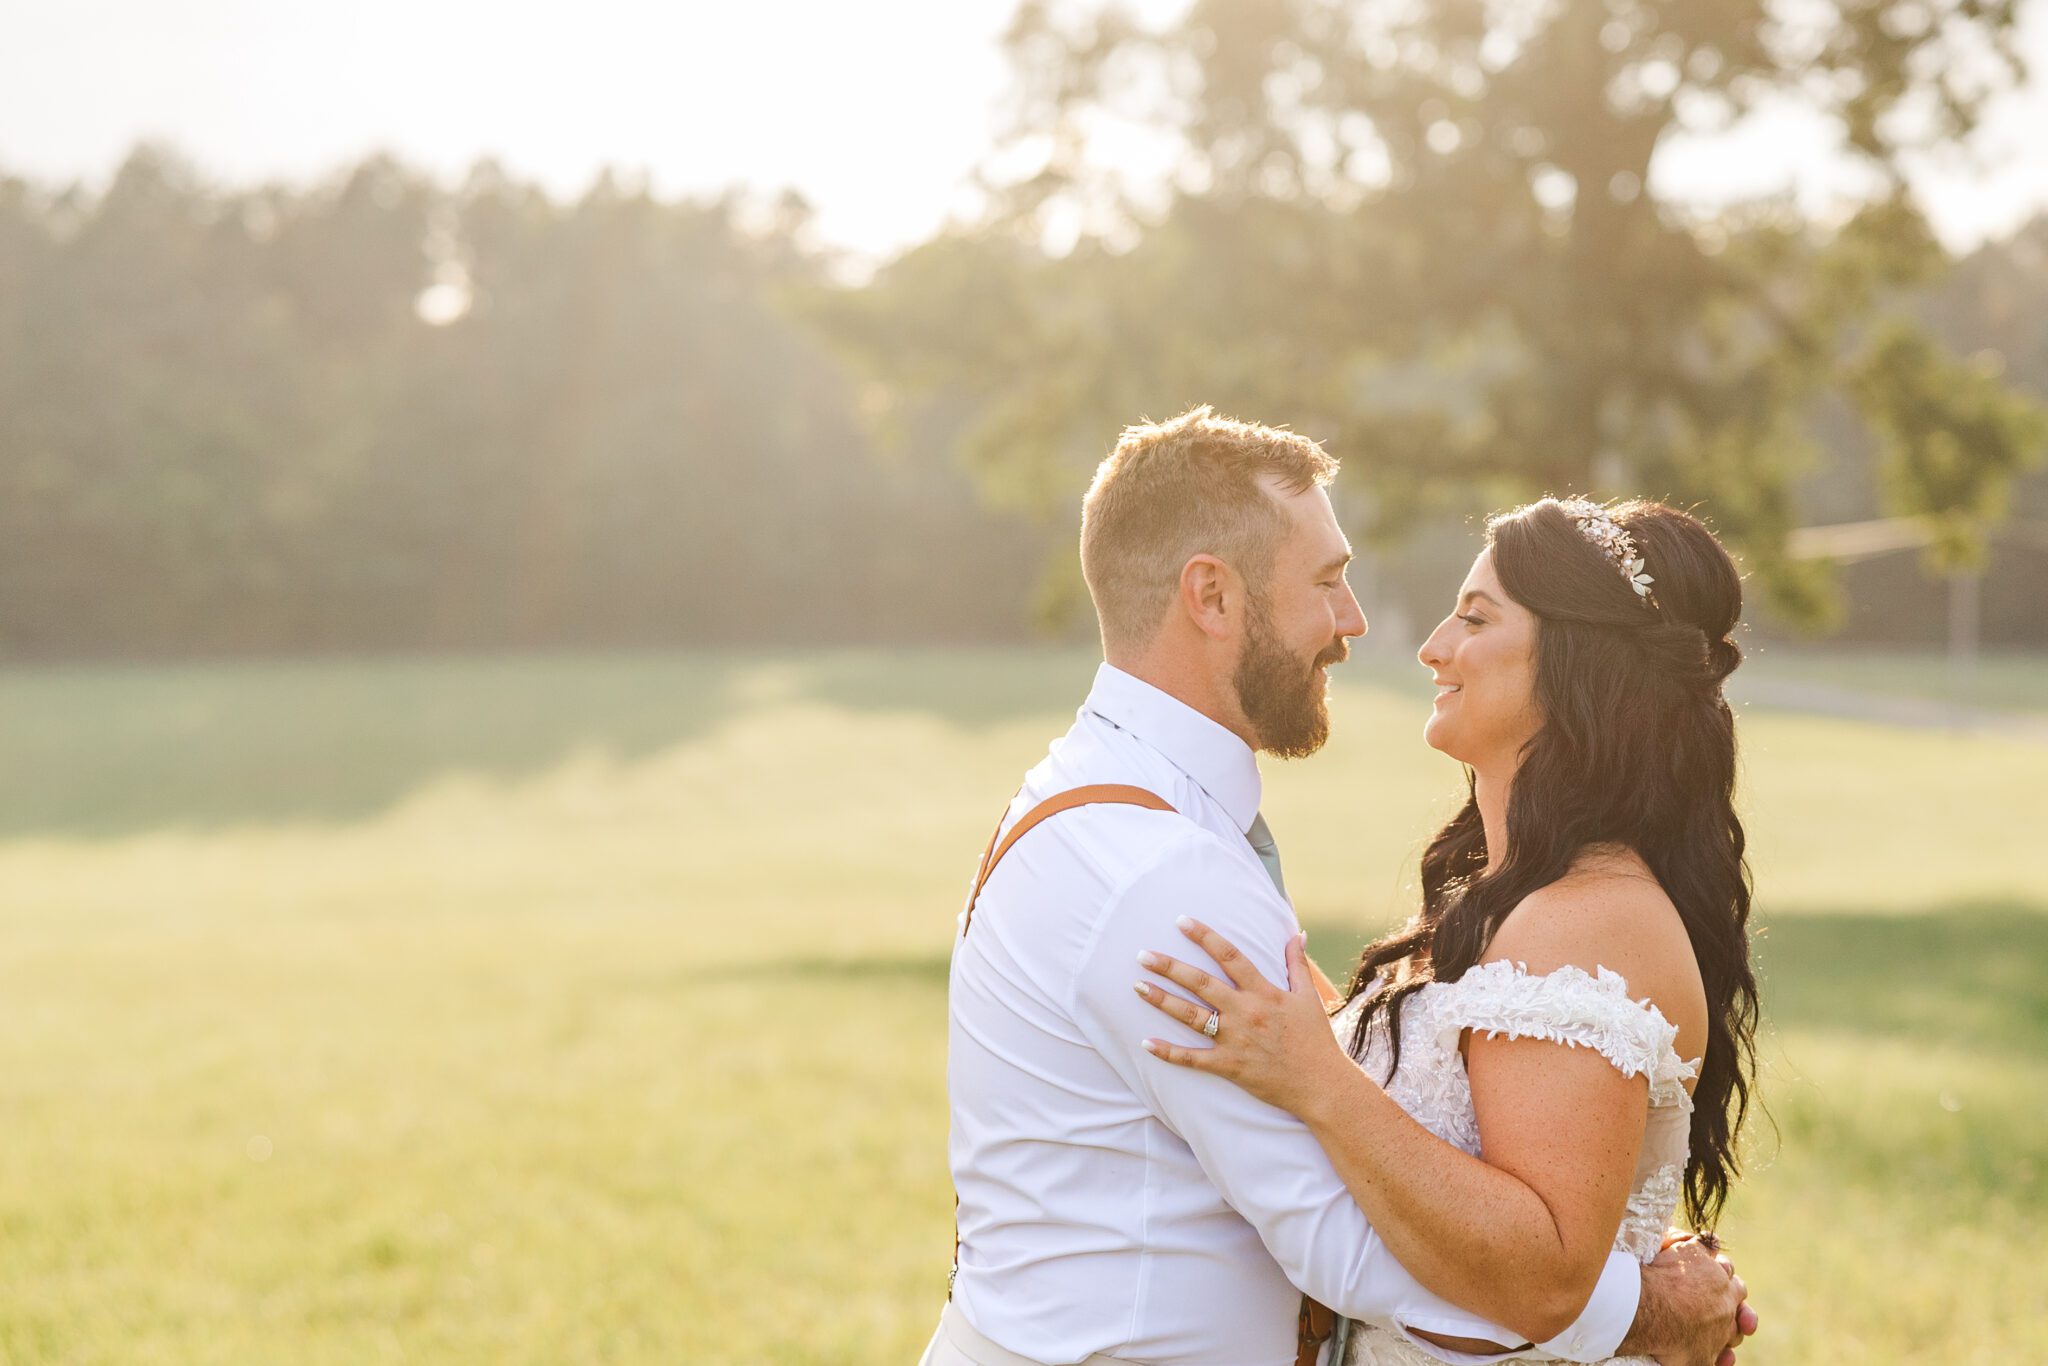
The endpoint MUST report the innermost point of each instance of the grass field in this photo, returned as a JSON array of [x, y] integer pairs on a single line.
[[592, 1009]]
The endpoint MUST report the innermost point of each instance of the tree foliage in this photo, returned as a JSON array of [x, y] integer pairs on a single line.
[[1436, 235], [226, 425]]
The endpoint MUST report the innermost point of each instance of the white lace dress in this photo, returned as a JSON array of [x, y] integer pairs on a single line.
[[1568, 1006]]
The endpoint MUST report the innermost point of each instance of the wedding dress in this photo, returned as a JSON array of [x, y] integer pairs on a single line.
[[1568, 1006]]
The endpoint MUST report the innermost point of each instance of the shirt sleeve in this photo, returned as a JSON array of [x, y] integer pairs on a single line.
[[1264, 1161]]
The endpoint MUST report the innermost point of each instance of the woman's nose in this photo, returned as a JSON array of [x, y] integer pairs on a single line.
[[1430, 655]]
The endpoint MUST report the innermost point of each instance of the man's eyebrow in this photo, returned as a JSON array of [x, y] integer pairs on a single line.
[[1335, 565]]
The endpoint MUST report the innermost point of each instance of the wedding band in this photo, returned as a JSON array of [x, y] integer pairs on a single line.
[[1209, 1026]]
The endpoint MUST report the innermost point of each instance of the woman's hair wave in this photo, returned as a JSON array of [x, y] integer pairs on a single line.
[[1635, 749]]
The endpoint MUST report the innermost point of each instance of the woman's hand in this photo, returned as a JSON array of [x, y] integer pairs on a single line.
[[1276, 1043]]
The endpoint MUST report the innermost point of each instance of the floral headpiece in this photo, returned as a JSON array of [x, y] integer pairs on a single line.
[[1617, 545]]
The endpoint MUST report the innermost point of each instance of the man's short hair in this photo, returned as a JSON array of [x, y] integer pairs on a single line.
[[1180, 488]]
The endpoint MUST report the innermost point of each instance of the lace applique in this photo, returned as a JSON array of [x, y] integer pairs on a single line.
[[1568, 1006], [1431, 1085], [1650, 1208]]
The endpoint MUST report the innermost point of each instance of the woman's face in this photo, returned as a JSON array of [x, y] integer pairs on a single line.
[[1483, 660]]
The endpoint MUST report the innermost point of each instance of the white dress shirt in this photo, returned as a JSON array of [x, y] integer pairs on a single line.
[[1114, 1203]]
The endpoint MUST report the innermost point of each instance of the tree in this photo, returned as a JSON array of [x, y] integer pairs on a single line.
[[243, 419], [1434, 234]]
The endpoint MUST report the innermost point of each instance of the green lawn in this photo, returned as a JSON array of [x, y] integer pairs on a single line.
[[591, 1009]]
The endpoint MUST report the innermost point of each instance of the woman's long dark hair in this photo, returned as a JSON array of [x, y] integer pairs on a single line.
[[1636, 749]]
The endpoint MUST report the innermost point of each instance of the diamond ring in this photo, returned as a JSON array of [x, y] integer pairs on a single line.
[[1210, 1025]]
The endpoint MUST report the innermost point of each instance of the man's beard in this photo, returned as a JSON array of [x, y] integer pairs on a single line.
[[1280, 693]]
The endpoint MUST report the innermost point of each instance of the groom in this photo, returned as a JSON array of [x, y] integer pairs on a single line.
[[1111, 1209]]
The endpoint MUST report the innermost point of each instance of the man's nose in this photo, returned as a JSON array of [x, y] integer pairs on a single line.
[[1353, 622]]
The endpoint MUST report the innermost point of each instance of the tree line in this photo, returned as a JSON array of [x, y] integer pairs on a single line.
[[383, 413], [387, 412]]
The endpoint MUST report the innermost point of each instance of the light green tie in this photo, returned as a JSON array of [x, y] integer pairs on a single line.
[[1261, 838]]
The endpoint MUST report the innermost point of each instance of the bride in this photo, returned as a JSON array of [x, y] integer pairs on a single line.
[[1556, 1052]]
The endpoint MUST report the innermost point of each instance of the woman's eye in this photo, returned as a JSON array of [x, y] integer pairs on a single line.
[[1470, 620]]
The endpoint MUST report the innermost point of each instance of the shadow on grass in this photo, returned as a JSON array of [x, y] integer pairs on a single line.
[[1968, 975], [115, 750]]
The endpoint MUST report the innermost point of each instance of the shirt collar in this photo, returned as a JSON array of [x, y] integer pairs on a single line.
[[1211, 754]]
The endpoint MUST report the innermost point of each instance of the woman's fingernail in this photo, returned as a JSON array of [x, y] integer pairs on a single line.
[[1139, 987], [1151, 960], [1185, 923], [1152, 1047]]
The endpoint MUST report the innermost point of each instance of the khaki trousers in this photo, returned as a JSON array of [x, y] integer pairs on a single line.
[[957, 1344]]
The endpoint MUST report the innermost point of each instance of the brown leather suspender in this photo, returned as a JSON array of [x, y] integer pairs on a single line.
[[1315, 1323], [1115, 793]]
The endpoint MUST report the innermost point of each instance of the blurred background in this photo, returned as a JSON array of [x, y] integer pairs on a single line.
[[534, 541]]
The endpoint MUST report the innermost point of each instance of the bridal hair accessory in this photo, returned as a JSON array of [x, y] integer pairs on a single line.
[[1210, 1025], [1616, 544]]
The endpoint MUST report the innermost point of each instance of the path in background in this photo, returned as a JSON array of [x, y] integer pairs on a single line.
[[2009, 691], [1888, 709]]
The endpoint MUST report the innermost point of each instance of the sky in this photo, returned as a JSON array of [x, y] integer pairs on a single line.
[[877, 112]]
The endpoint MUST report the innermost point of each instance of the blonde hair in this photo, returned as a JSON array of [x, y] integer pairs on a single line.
[[1180, 488]]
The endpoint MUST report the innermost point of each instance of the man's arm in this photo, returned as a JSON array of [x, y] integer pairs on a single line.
[[1264, 1161]]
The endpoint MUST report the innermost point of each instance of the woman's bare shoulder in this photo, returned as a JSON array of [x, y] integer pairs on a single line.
[[1610, 912]]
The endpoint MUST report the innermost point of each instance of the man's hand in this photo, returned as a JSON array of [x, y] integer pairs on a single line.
[[1694, 1310]]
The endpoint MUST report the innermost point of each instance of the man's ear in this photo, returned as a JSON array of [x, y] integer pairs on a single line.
[[1211, 596]]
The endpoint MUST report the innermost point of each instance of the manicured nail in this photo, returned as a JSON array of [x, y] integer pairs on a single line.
[[1150, 959], [1186, 925], [1152, 1047], [1139, 987]]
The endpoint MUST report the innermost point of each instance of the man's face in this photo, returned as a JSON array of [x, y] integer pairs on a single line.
[[1298, 624]]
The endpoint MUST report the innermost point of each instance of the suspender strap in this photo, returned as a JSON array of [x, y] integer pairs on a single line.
[[1315, 1323], [1113, 793], [1116, 793], [1316, 1326]]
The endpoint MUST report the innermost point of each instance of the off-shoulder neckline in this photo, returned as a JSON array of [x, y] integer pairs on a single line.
[[1602, 979]]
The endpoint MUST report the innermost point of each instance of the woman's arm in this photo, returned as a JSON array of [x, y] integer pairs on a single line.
[[1520, 1236]]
